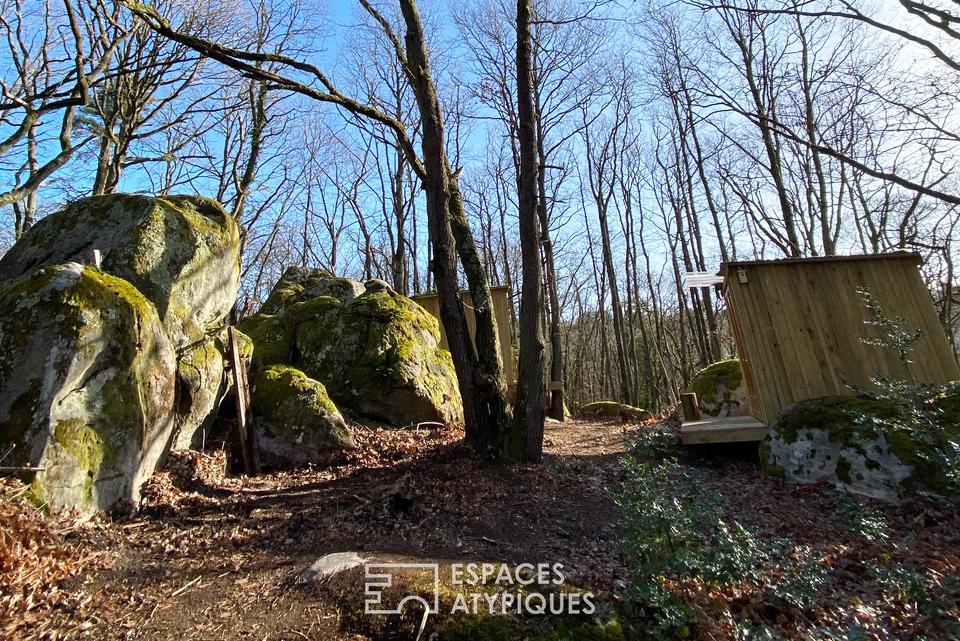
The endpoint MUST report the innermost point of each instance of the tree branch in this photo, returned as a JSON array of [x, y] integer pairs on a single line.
[[239, 60]]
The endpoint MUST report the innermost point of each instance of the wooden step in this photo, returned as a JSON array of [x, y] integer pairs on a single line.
[[722, 430]]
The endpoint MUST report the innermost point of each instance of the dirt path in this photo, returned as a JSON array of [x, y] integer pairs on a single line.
[[216, 558]]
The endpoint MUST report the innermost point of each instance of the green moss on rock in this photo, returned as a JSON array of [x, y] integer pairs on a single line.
[[612, 409], [380, 356], [201, 385], [375, 352], [101, 417], [299, 285], [849, 420], [859, 442], [720, 389], [180, 252], [296, 421], [272, 338], [769, 468]]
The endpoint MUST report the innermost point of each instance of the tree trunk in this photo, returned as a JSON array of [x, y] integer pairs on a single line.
[[555, 411], [490, 382], [530, 402], [480, 425]]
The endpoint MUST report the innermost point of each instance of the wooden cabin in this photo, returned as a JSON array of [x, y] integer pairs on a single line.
[[501, 310], [798, 325]]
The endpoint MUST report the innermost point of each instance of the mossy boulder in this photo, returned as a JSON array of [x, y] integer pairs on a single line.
[[858, 443], [300, 284], [86, 386], [377, 352], [296, 421], [612, 409], [180, 252], [721, 390]]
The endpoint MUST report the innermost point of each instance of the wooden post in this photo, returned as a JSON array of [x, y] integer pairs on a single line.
[[248, 437], [554, 389], [691, 410]]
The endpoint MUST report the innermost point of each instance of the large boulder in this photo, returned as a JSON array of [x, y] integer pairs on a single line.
[[861, 444], [106, 368], [377, 352], [295, 420], [181, 252], [721, 390], [86, 385]]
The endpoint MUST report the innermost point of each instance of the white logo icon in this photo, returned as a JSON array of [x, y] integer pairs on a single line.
[[380, 575]]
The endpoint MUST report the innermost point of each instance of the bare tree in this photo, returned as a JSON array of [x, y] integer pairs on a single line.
[[531, 392], [480, 379], [58, 51]]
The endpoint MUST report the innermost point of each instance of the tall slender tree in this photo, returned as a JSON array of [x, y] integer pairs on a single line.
[[531, 392]]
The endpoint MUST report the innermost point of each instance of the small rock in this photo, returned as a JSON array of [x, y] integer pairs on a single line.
[[330, 565]]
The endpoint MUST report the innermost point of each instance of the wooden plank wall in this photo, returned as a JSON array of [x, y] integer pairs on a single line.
[[799, 324], [501, 309]]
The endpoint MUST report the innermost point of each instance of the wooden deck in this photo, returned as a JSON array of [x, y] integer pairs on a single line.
[[722, 430]]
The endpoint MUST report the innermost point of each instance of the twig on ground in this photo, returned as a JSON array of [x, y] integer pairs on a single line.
[[184, 588]]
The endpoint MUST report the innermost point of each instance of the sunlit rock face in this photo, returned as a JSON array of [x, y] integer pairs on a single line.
[[86, 386], [296, 421], [180, 252], [721, 390]]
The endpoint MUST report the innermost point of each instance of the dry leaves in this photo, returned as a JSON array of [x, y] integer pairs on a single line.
[[35, 559]]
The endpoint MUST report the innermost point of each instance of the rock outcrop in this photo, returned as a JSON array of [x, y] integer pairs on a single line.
[[721, 390], [86, 385], [103, 368], [375, 351], [861, 444], [202, 386], [296, 421]]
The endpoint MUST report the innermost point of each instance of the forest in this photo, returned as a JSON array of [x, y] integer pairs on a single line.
[[670, 137], [255, 256]]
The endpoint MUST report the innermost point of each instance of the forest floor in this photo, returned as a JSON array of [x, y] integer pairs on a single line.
[[211, 556]]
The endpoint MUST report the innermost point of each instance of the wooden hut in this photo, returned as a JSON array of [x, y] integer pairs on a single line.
[[501, 310], [799, 326]]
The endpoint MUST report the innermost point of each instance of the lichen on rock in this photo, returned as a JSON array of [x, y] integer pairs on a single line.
[[99, 367], [87, 385], [859, 443], [721, 390], [202, 385], [380, 357], [300, 284], [296, 421]]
